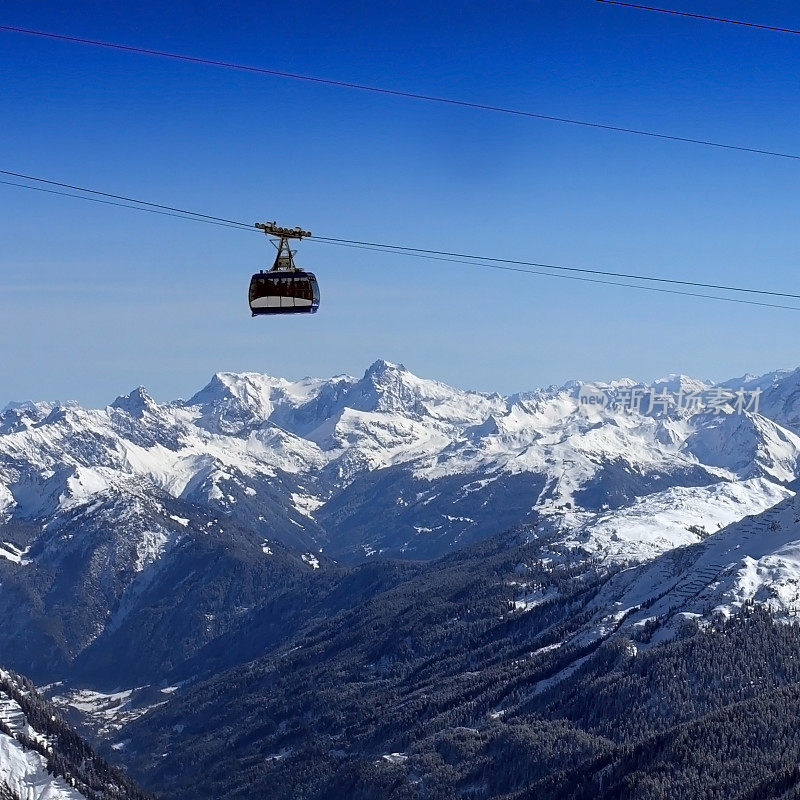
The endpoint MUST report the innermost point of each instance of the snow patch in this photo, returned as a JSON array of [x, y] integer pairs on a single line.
[[311, 560]]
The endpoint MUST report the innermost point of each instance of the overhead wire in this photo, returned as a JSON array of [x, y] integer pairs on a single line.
[[237, 226], [561, 267], [571, 277], [486, 262], [117, 197], [213, 62], [695, 15]]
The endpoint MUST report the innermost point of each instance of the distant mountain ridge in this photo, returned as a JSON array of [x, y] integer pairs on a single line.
[[253, 441], [145, 519]]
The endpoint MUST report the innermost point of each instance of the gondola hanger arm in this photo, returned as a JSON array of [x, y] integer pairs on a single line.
[[273, 229]]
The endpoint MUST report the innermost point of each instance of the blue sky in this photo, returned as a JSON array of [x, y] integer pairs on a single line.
[[96, 299]]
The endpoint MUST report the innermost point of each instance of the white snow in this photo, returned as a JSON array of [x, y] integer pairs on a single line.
[[311, 560], [149, 548], [305, 504], [756, 559], [13, 553], [280, 755], [395, 758], [669, 519], [25, 773], [534, 599]]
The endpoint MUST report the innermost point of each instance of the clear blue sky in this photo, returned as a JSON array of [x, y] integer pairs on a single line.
[[95, 300]]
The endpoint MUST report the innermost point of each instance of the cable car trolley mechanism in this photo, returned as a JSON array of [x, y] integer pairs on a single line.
[[284, 289]]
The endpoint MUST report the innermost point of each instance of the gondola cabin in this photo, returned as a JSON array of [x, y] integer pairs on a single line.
[[284, 289], [283, 293]]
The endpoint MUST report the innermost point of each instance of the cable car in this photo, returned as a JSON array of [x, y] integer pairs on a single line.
[[284, 289]]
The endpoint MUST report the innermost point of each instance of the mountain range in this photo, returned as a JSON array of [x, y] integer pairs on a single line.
[[180, 575]]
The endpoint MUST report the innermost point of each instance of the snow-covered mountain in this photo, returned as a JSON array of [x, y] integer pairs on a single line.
[[752, 561], [390, 462], [171, 520]]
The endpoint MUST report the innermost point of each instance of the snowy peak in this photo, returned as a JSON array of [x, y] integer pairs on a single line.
[[27, 407], [136, 403], [387, 387], [779, 396], [391, 388], [231, 401], [381, 368], [14, 420], [777, 379], [253, 390], [675, 384], [746, 444]]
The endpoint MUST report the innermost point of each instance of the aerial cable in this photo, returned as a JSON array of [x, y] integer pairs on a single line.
[[395, 92], [694, 15], [395, 251], [587, 270], [236, 226], [121, 197], [571, 277], [509, 265], [406, 249]]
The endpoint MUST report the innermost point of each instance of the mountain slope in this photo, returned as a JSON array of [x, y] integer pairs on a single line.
[[755, 560], [486, 674], [122, 587], [42, 758]]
